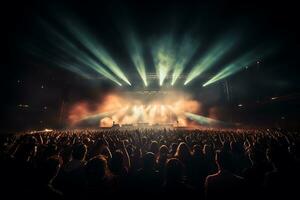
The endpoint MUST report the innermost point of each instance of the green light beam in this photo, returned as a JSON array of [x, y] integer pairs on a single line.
[[210, 58], [237, 65], [164, 56], [71, 49], [203, 120], [136, 54], [186, 50], [53, 59], [94, 119], [96, 48]]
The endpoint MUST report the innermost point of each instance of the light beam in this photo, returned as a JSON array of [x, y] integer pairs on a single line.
[[72, 50], [163, 53], [203, 120], [238, 65], [210, 58], [96, 48], [136, 54], [186, 50]]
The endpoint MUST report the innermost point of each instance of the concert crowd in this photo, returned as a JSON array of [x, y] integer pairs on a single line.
[[201, 164]]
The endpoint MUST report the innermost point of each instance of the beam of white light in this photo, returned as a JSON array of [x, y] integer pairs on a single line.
[[186, 50], [136, 53], [163, 53], [238, 65], [96, 48], [71, 49], [210, 58], [203, 120]]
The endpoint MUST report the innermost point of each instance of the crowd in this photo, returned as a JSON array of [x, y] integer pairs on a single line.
[[206, 164]]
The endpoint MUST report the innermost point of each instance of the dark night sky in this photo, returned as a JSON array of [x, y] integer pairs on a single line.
[[259, 22]]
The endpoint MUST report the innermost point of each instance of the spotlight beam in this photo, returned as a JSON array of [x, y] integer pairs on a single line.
[[136, 54], [237, 65], [186, 50], [74, 67], [203, 120], [164, 56], [96, 48], [71, 49], [94, 119], [213, 55]]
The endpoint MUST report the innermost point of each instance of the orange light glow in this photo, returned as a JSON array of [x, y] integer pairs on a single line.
[[131, 109]]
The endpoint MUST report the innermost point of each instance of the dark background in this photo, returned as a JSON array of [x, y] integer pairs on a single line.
[[42, 86]]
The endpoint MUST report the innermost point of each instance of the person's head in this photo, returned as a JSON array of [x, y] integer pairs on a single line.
[[174, 170], [154, 147], [163, 151], [256, 156], [223, 160], [207, 150], [96, 169], [236, 148], [25, 152], [116, 162], [226, 146], [50, 169], [197, 150], [173, 148], [79, 152], [66, 154], [279, 157], [149, 161], [51, 150], [182, 151]]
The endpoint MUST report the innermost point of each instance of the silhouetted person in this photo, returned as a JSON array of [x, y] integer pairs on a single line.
[[198, 169], [224, 184], [119, 170], [281, 182], [254, 175], [154, 147], [73, 172], [98, 178], [174, 182], [47, 173], [148, 179], [184, 155], [162, 159]]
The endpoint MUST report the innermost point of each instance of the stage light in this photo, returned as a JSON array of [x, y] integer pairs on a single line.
[[96, 48], [245, 60], [203, 120], [186, 50], [136, 53], [163, 53], [234, 67], [68, 47], [163, 71], [210, 58], [90, 63], [92, 119]]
